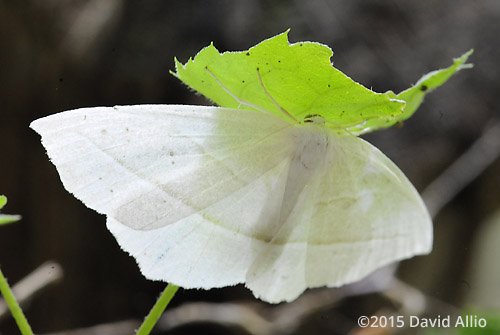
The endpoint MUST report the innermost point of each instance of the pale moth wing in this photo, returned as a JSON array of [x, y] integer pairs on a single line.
[[208, 197], [148, 166]]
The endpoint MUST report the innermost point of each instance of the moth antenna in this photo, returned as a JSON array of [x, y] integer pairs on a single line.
[[238, 100], [360, 125], [284, 111], [355, 126]]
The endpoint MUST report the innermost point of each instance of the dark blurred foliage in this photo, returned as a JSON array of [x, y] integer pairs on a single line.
[[60, 55]]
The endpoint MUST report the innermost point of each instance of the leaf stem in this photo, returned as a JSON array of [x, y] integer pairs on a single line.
[[14, 307], [157, 309]]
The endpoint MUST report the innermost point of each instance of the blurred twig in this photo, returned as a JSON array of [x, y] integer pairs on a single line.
[[28, 287], [254, 318], [114, 328], [466, 168], [410, 301], [95, 19]]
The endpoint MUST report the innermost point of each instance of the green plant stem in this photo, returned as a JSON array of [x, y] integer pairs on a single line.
[[14, 307], [157, 309]]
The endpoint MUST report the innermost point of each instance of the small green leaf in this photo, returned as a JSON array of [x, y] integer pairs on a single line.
[[5, 218], [301, 80], [414, 95]]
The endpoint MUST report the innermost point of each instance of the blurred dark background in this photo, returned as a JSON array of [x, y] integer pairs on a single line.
[[61, 55]]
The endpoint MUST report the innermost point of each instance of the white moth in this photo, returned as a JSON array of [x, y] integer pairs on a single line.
[[208, 197]]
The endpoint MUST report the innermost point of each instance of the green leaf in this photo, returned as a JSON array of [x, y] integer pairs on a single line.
[[301, 80], [414, 95], [492, 326], [5, 218], [299, 77]]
